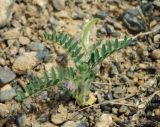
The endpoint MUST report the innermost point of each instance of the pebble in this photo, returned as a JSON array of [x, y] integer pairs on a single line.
[[148, 84], [5, 11], [78, 1], [133, 23], [24, 40], [21, 120], [59, 117], [82, 125], [3, 110], [7, 93], [157, 38], [117, 26], [147, 8], [101, 14], [130, 74], [47, 124], [156, 3], [6, 75], [123, 109], [2, 61], [155, 54], [106, 108], [104, 121], [37, 46], [25, 62], [59, 4], [69, 124], [43, 55], [11, 34]]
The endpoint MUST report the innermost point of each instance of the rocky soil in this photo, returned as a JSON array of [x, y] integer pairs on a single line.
[[127, 86]]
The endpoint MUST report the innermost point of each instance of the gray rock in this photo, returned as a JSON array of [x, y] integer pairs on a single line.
[[69, 124], [59, 4], [21, 121], [133, 23], [147, 8], [130, 74], [82, 125], [5, 11], [37, 46], [78, 16], [7, 93], [101, 14], [133, 12], [43, 55], [6, 75]]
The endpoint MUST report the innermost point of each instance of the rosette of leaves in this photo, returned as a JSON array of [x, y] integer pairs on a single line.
[[78, 79]]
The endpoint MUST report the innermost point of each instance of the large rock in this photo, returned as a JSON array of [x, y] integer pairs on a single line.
[[6, 76], [25, 62], [7, 93], [5, 11]]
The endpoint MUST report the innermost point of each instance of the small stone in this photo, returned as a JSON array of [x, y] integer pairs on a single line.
[[148, 84], [82, 125], [7, 93], [2, 61], [141, 106], [24, 40], [132, 89], [3, 110], [77, 16], [153, 23], [130, 74], [21, 120], [41, 3], [11, 34], [37, 46], [106, 108], [5, 11], [43, 55], [59, 117], [101, 14], [147, 8], [105, 121], [78, 1], [117, 25], [156, 3], [62, 14], [58, 4], [6, 76], [133, 23], [69, 124], [157, 38], [155, 54], [123, 109], [25, 62], [47, 124]]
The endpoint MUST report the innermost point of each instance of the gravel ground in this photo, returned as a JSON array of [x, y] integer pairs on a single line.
[[127, 84]]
